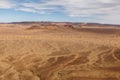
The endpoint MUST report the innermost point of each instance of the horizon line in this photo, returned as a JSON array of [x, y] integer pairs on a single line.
[[57, 22]]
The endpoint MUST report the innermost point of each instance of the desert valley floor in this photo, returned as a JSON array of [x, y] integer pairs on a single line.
[[59, 53]]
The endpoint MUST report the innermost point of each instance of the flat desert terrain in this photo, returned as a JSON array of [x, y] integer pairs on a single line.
[[52, 52]]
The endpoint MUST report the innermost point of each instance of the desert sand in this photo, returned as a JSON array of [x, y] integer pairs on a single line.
[[52, 52]]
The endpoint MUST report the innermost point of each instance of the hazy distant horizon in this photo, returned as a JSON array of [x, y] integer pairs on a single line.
[[56, 22]]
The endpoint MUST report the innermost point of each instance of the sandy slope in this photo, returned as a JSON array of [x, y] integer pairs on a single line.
[[45, 54]]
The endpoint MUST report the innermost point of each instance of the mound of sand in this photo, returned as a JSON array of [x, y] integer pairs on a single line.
[[50, 27]]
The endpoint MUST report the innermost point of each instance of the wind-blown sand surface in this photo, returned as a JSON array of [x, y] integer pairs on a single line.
[[54, 53]]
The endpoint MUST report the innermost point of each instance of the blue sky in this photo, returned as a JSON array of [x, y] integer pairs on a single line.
[[101, 11]]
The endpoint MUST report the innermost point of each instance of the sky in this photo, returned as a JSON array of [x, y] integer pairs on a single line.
[[98, 11]]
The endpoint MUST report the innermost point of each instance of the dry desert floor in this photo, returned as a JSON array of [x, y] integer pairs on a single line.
[[59, 54]]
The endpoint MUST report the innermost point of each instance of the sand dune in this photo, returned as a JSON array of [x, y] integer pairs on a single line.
[[59, 54]]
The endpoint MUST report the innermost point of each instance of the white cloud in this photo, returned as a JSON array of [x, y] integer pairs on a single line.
[[105, 10], [6, 4], [76, 7]]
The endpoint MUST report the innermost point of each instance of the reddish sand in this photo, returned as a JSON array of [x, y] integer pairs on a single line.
[[59, 52]]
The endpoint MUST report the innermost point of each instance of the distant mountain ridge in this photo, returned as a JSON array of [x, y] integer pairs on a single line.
[[63, 23]]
